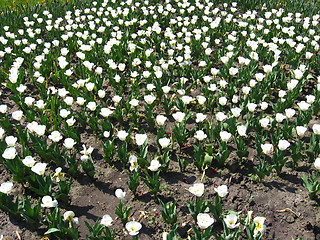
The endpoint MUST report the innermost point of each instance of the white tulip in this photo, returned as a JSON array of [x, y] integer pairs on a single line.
[[64, 113], [220, 116], [122, 135], [134, 102], [55, 136], [298, 74], [201, 99], [121, 66], [252, 83], [101, 93], [259, 76], [231, 221], [6, 187], [267, 68], [68, 101], [280, 117], [282, 93], [301, 130], [236, 112], [178, 116], [40, 104], [21, 88], [89, 86], [92, 106], [154, 165], [214, 71], [223, 101], [316, 129], [186, 99], [160, 120], [164, 142], [105, 112], [200, 117], [290, 113], [149, 99], [69, 143], [204, 220], [120, 194], [70, 216], [39, 168], [40, 130], [246, 90], [86, 151], [166, 89], [233, 71], [106, 134], [283, 144], [71, 121], [242, 130], [292, 84], [310, 99], [264, 122], [133, 228], [200, 135], [259, 225], [212, 87], [141, 139], [197, 189], [267, 148], [222, 190], [106, 220], [116, 99], [150, 86], [11, 141], [264, 105], [80, 101], [133, 160], [9, 153], [29, 161], [303, 106], [225, 136], [47, 202], [17, 115], [251, 107], [317, 163]]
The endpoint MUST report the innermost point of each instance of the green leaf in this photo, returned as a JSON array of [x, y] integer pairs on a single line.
[[207, 160], [52, 230], [309, 76]]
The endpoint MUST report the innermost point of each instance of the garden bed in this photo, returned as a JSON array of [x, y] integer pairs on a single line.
[[205, 114]]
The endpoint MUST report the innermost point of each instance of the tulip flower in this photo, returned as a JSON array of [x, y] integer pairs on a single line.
[[197, 189], [6, 187], [47, 202], [231, 221], [106, 220], [120, 194], [204, 220], [133, 228], [70, 216], [222, 190]]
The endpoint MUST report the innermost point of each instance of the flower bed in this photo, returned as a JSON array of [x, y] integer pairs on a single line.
[[169, 120]]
